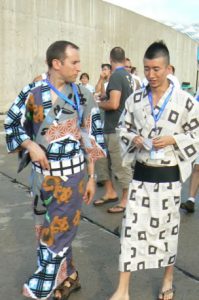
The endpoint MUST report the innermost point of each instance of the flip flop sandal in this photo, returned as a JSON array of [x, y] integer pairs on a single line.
[[67, 287], [119, 209], [67, 290], [103, 201], [59, 290], [166, 293]]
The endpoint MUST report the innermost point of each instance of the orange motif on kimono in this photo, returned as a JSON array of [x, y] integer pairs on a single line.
[[47, 236], [30, 102], [94, 152], [62, 193], [38, 113], [58, 225], [88, 123], [81, 187], [77, 217], [61, 130], [50, 182]]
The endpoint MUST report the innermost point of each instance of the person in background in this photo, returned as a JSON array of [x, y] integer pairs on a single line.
[[159, 134], [103, 80], [128, 66], [84, 78], [171, 76], [135, 76], [58, 125], [189, 205], [118, 90], [100, 95]]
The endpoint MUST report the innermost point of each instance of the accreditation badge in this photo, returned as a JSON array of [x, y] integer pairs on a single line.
[[157, 154]]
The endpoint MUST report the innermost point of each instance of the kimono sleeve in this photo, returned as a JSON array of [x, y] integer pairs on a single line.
[[92, 130], [15, 132], [187, 141], [126, 131]]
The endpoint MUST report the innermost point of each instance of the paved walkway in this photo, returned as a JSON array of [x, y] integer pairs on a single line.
[[96, 246]]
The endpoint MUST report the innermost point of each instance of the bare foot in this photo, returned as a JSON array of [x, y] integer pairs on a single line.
[[166, 295], [110, 195], [119, 296], [57, 295], [167, 292], [116, 209]]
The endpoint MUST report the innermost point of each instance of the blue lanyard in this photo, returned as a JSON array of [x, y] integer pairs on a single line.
[[66, 99], [162, 108], [119, 68]]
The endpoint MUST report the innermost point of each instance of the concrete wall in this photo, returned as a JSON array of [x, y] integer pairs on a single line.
[[28, 27]]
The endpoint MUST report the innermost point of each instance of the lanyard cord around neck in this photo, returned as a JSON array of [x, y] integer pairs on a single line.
[[162, 108], [76, 105]]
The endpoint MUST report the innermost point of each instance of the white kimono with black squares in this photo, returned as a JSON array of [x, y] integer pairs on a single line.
[[151, 222]]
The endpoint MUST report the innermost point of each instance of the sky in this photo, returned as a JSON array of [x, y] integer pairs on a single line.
[[185, 12]]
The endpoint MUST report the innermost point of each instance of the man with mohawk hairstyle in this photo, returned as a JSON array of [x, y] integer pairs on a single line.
[[159, 134]]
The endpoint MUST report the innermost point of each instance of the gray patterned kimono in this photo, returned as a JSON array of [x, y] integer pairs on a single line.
[[68, 137], [151, 223]]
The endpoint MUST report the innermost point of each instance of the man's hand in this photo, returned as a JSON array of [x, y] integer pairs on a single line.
[[163, 141], [37, 154], [90, 191], [138, 141], [102, 75]]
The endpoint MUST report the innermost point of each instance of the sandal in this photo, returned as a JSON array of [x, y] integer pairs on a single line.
[[57, 293], [166, 293], [67, 287], [116, 209], [103, 201]]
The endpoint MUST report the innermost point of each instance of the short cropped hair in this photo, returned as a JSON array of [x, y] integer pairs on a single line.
[[106, 65], [84, 75], [157, 49], [57, 51], [117, 54]]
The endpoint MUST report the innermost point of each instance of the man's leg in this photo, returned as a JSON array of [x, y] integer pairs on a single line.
[[194, 182], [122, 292], [124, 197], [99, 170], [167, 284], [123, 174], [110, 194], [110, 191], [120, 207], [189, 205]]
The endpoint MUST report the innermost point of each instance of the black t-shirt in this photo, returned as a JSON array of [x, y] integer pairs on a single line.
[[121, 81]]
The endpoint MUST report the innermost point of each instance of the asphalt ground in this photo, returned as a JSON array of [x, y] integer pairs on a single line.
[[95, 248]]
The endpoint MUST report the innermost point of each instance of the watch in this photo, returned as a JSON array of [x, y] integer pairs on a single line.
[[94, 176]]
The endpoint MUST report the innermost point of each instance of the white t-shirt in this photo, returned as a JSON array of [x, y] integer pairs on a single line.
[[89, 87]]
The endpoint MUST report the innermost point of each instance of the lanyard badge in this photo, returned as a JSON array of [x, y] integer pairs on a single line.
[[76, 105], [158, 154], [156, 116]]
